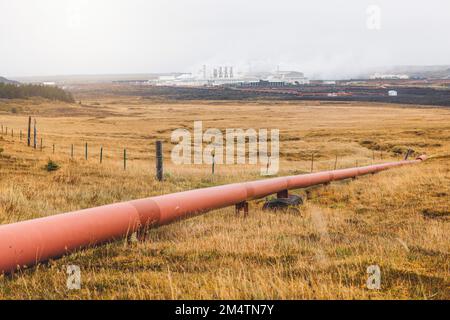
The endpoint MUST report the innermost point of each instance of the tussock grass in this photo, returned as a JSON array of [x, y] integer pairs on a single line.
[[398, 219]]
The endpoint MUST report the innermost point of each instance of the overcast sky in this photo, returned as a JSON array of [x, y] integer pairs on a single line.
[[322, 37]]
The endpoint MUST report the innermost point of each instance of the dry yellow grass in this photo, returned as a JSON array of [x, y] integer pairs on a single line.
[[397, 219]]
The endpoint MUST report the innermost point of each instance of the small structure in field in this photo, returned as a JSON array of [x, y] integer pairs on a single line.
[[392, 93]]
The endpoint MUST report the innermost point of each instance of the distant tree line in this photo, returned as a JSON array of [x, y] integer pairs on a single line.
[[23, 91]]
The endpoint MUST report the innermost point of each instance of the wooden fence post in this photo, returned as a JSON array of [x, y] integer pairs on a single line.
[[29, 131], [408, 152], [71, 151], [86, 151], [213, 154], [41, 144], [35, 135], [159, 161], [124, 159], [101, 154], [53, 148]]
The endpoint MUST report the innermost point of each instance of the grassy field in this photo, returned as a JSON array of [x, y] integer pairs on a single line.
[[398, 219]]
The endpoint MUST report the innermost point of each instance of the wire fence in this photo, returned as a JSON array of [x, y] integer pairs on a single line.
[[90, 150]]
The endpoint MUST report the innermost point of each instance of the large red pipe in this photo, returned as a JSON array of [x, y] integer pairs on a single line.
[[30, 242]]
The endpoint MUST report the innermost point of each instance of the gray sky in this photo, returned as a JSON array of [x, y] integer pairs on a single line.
[[328, 38]]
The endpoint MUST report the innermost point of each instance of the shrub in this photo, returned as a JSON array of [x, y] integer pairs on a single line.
[[24, 91], [51, 166]]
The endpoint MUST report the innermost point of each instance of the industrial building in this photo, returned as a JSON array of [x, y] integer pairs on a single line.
[[378, 76], [224, 75]]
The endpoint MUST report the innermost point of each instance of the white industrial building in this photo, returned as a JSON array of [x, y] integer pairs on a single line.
[[289, 77], [392, 93], [227, 75], [378, 76]]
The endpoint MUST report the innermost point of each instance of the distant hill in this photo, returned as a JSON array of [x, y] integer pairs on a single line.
[[92, 78], [429, 72], [4, 80], [425, 72]]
